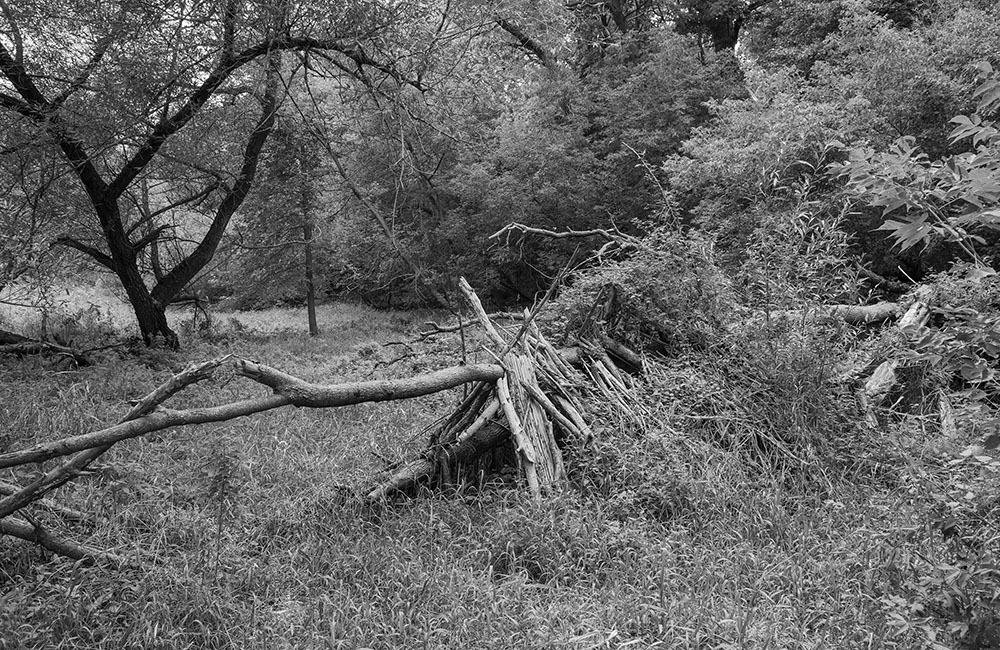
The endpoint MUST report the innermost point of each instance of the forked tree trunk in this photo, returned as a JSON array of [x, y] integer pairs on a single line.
[[150, 314], [151, 317]]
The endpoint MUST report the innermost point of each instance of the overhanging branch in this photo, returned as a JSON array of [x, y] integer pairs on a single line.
[[223, 71], [98, 256], [527, 43]]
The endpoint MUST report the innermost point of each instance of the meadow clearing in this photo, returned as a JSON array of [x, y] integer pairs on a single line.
[[244, 534]]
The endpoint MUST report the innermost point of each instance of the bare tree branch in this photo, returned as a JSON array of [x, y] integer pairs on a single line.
[[178, 277], [289, 390], [72, 468], [222, 72], [527, 43], [151, 237], [99, 50], [99, 256], [38, 108], [38, 535], [15, 32], [176, 204]]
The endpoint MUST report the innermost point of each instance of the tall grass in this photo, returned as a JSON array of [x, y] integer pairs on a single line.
[[750, 514]]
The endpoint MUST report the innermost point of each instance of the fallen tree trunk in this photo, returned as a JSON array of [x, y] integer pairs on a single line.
[[10, 338], [850, 314]]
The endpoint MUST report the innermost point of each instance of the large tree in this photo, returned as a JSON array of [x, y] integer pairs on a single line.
[[134, 95]]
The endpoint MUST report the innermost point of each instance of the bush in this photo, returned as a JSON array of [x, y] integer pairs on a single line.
[[666, 296]]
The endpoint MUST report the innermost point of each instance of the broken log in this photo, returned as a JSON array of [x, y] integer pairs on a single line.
[[426, 466], [883, 378], [851, 314], [11, 343]]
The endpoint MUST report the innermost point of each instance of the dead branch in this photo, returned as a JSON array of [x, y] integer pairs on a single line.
[[611, 235], [15, 344], [289, 391], [850, 314], [301, 393], [38, 535], [891, 285], [65, 512], [72, 468], [435, 328]]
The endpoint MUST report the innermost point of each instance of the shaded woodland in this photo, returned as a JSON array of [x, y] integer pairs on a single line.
[[683, 268]]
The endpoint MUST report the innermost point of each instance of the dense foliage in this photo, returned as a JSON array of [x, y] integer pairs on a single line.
[[706, 184]]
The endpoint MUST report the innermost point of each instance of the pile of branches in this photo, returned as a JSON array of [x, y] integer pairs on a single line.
[[536, 404]]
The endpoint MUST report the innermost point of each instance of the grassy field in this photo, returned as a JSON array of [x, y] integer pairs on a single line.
[[683, 533]]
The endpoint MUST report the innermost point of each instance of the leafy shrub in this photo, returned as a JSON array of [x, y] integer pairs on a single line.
[[757, 150], [798, 257], [667, 295], [952, 199], [964, 346], [951, 590]]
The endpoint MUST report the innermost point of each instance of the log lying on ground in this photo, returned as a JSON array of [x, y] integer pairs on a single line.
[[11, 343], [10, 338], [429, 464], [87, 454], [850, 314], [148, 416], [883, 378], [289, 391]]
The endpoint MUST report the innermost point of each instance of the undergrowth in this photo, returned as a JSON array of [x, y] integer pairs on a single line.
[[752, 509]]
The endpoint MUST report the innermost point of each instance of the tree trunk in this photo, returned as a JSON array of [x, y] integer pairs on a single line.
[[725, 30], [307, 233], [150, 314]]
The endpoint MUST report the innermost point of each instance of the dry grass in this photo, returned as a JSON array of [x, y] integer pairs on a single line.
[[243, 539]]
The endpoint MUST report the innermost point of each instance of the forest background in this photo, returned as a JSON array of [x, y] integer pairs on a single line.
[[728, 167]]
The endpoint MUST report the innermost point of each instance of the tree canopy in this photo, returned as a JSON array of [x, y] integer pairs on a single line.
[[186, 144]]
